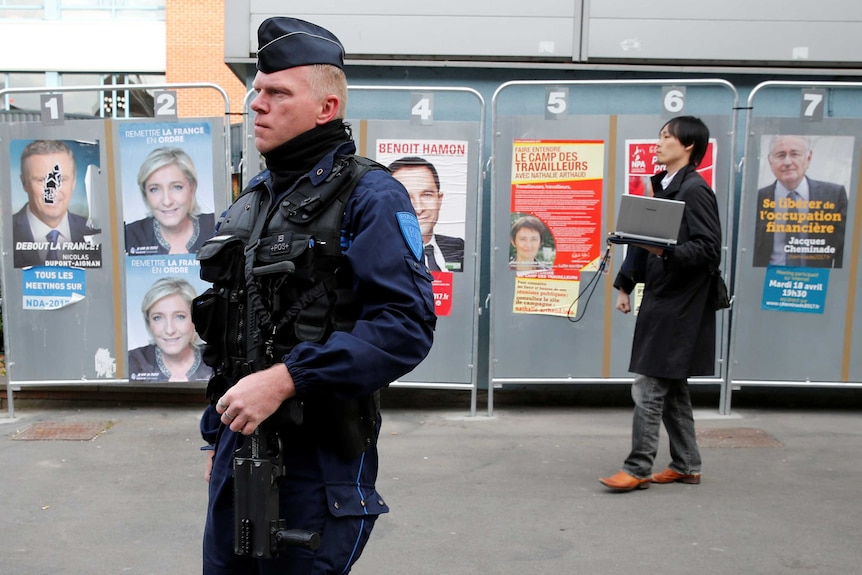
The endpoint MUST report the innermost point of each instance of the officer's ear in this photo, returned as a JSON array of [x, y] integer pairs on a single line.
[[329, 109]]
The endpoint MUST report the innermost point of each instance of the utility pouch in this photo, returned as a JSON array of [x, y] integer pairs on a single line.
[[273, 252], [326, 307], [222, 260], [312, 323], [219, 312], [208, 314]]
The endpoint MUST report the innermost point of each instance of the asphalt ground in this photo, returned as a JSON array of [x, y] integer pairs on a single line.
[[516, 493]]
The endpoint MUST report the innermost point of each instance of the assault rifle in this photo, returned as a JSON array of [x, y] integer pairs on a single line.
[[258, 467]]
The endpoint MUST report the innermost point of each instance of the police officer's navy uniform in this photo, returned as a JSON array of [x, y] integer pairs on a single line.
[[322, 492], [326, 490]]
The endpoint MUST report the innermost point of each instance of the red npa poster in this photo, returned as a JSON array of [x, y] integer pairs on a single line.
[[642, 164]]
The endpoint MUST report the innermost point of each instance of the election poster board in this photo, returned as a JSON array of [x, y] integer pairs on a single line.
[[432, 144], [59, 247], [168, 181], [73, 289], [798, 252], [554, 335]]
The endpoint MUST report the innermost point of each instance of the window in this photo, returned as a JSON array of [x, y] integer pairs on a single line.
[[134, 103], [86, 103], [111, 9], [110, 103], [24, 101], [83, 9], [22, 9]]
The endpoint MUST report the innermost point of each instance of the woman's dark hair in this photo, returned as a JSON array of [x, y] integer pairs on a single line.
[[531, 223], [690, 130]]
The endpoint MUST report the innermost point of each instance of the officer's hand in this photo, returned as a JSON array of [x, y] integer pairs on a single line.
[[623, 301], [254, 398]]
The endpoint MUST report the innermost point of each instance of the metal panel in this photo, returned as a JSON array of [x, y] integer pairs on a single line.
[[514, 8], [435, 36], [59, 344], [458, 115], [530, 348], [823, 33], [236, 29], [451, 28], [68, 339], [392, 114], [741, 10], [729, 40], [779, 346]]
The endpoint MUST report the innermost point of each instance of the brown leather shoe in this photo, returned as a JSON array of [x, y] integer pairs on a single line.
[[622, 481], [671, 476]]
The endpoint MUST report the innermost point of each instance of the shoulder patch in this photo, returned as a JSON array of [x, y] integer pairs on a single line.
[[411, 233]]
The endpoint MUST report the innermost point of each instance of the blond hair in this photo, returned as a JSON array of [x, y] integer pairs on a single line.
[[325, 79]]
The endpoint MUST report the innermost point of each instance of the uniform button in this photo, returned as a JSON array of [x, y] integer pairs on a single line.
[[336, 505], [319, 171], [380, 502]]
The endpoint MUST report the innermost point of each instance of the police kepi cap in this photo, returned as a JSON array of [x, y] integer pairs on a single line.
[[288, 42]]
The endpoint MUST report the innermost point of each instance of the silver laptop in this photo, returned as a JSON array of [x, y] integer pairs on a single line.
[[648, 220]]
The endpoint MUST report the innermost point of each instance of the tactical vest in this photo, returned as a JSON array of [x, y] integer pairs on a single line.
[[279, 278]]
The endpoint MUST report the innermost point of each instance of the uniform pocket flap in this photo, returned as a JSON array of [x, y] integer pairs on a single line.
[[350, 500]]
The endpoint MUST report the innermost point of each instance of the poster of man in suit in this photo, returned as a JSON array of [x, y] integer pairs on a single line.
[[801, 212], [434, 172], [53, 221]]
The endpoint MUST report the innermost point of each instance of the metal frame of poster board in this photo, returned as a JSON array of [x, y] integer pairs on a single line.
[[425, 114], [534, 346], [110, 287], [774, 341]]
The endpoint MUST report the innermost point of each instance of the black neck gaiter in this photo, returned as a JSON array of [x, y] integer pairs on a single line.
[[294, 158]]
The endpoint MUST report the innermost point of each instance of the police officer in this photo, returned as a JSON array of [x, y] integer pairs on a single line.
[[378, 314]]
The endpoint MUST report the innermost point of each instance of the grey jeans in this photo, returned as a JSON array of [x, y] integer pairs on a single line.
[[660, 400]]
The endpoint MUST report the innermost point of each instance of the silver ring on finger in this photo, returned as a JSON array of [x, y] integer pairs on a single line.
[[222, 405], [229, 416]]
